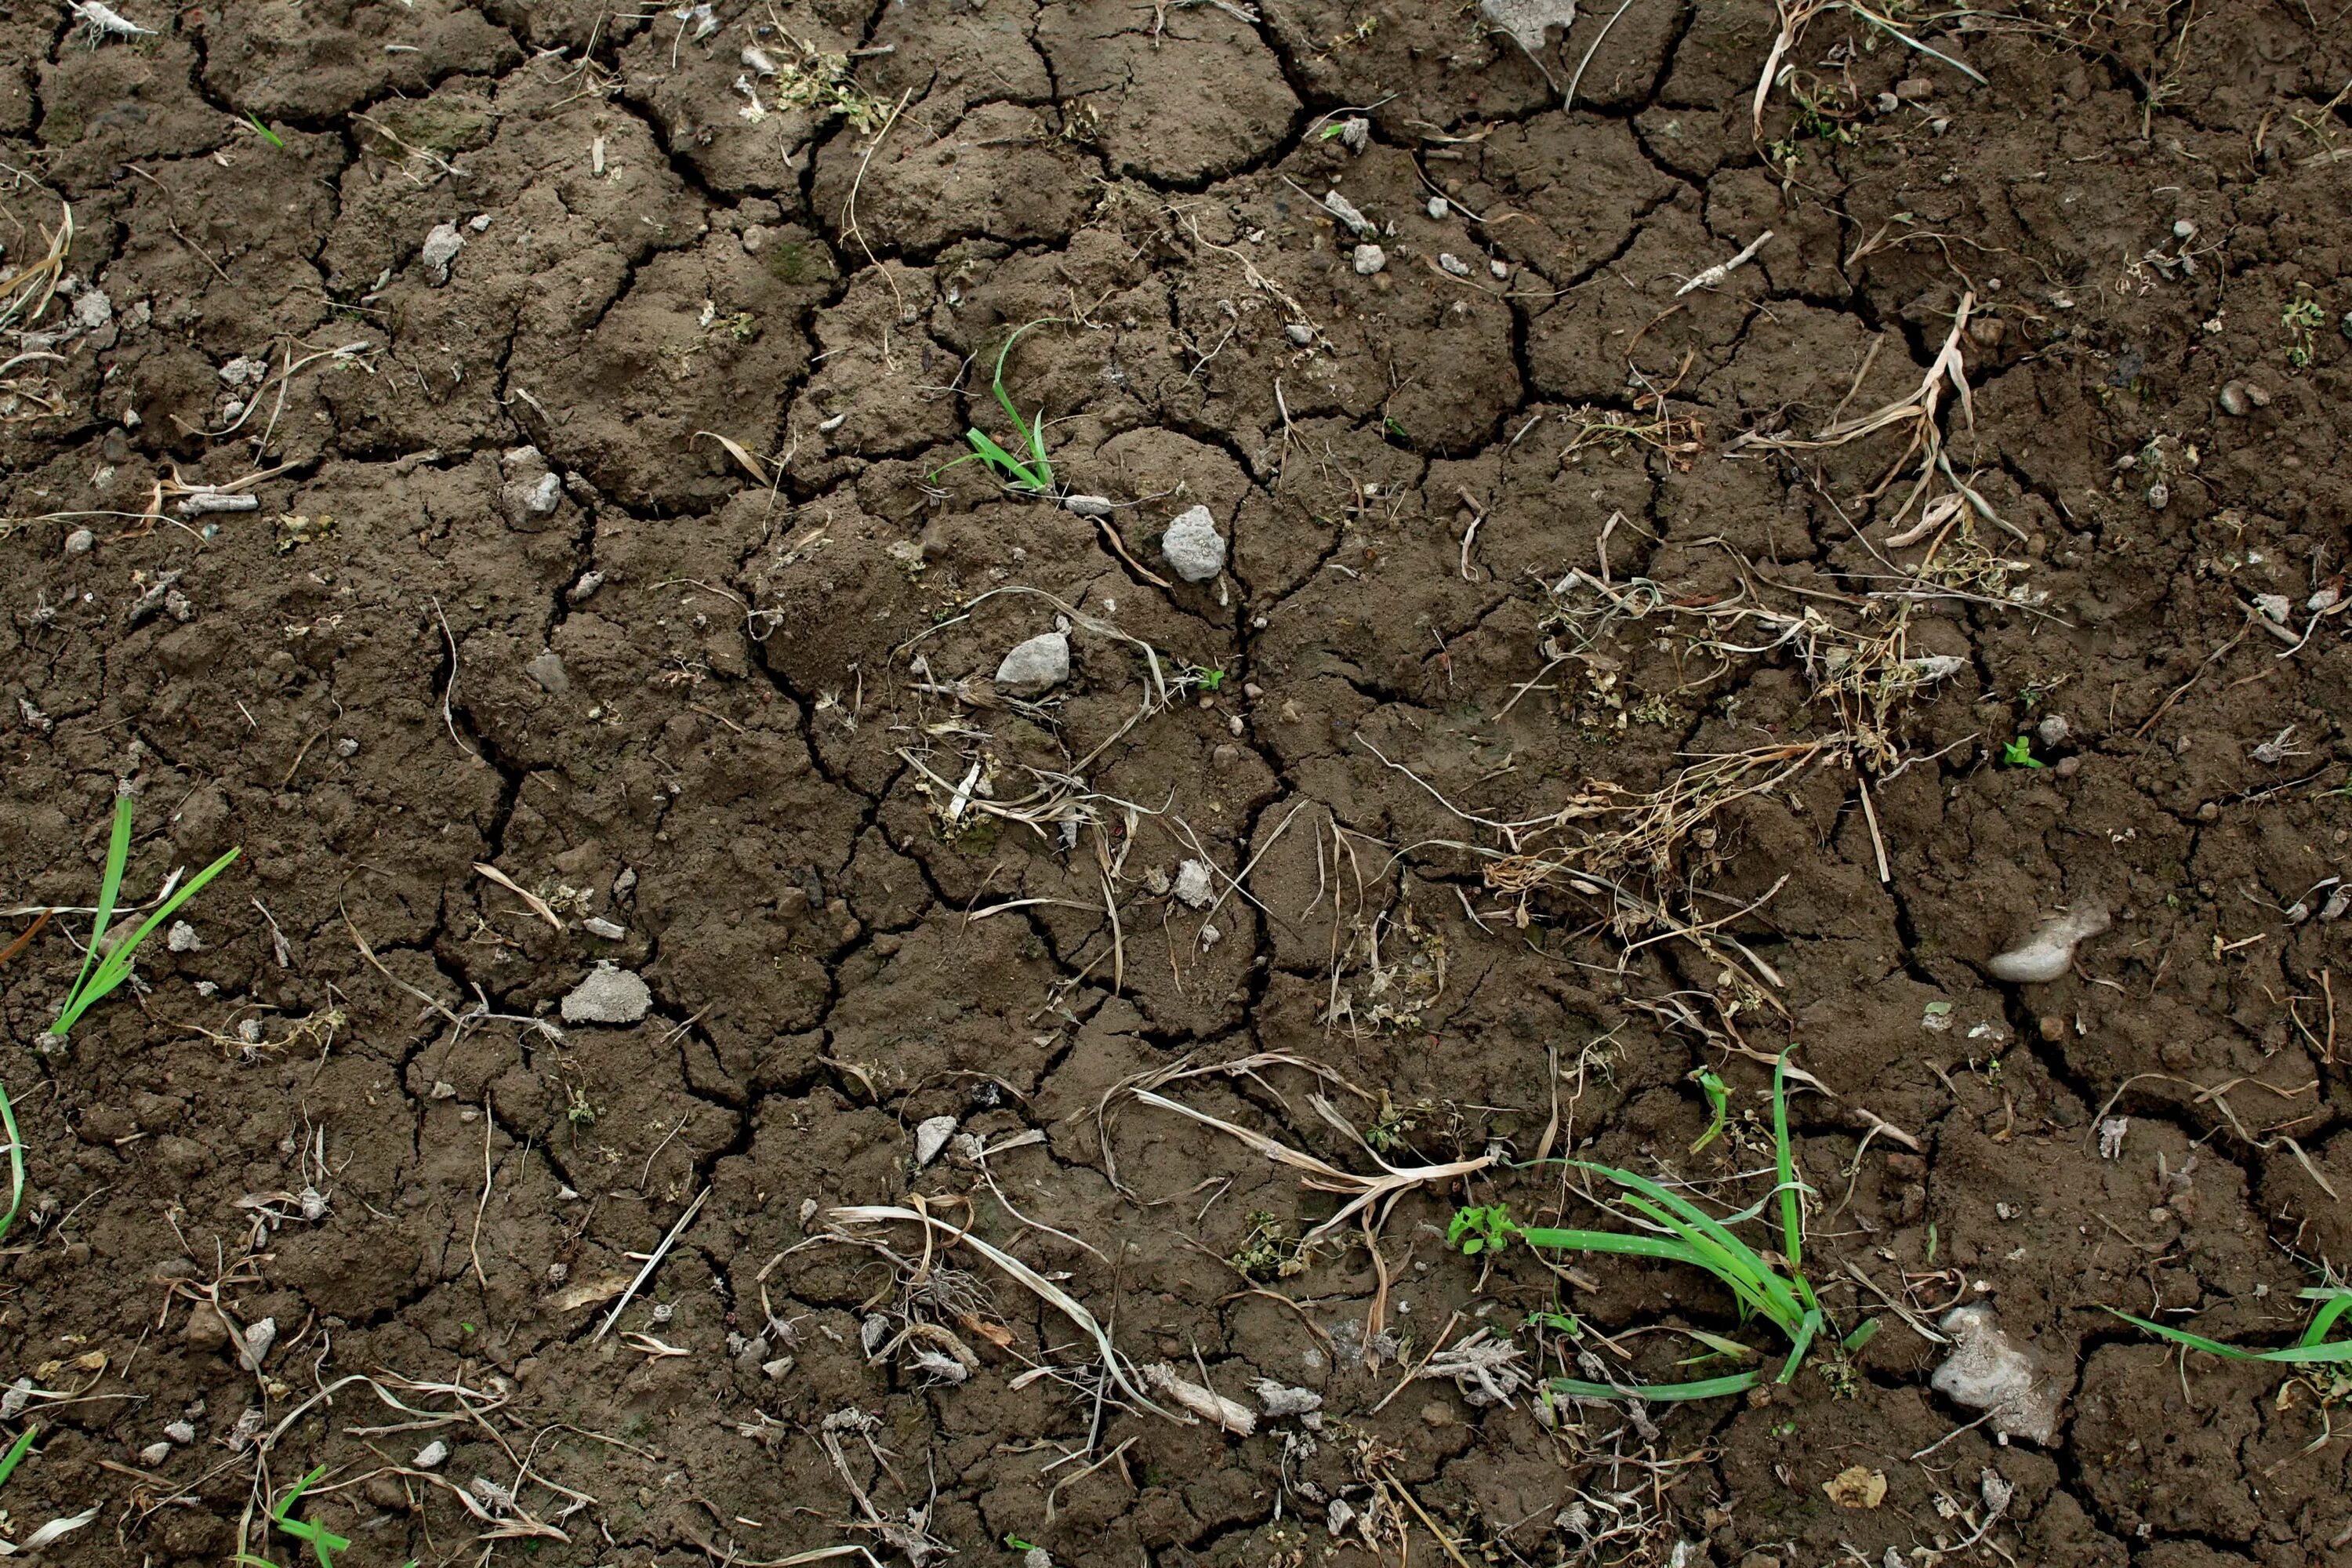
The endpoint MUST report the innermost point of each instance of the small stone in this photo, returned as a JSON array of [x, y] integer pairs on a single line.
[[347, 748], [1347, 213], [773, 1370], [439, 250], [2052, 1027], [2235, 401], [260, 1335], [2207, 812], [1036, 665], [1193, 886], [2160, 496], [2053, 730], [92, 309], [1987, 1371], [180, 1432], [1298, 333], [1277, 1400], [583, 591], [1437, 208], [154, 1454], [548, 671], [625, 883], [542, 495], [80, 541], [429, 1457], [1370, 258], [932, 1135], [597, 925], [1499, 269], [1087, 506], [1452, 264], [243, 370], [182, 937], [608, 996], [1194, 546], [2275, 608]]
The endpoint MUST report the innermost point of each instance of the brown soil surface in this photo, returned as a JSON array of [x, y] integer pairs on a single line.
[[1522, 530]]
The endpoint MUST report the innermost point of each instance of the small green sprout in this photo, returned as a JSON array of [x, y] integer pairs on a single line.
[[1032, 472], [267, 134], [1719, 1098], [1211, 679], [15, 1454], [2018, 753], [1483, 1228], [1014, 1543], [323, 1542]]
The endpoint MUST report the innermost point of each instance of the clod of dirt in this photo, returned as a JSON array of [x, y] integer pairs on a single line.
[[440, 249], [2049, 953], [2053, 730], [80, 541], [1856, 1486], [1299, 332], [1278, 1400], [1347, 212], [932, 1135], [1452, 264], [1370, 258], [1194, 546], [2240, 398], [1038, 665], [1087, 506], [1206, 1404], [1988, 1371], [1355, 131], [548, 671], [182, 937], [608, 996], [1525, 20], [1193, 886]]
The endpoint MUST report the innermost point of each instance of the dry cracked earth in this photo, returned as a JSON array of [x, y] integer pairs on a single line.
[[609, 600]]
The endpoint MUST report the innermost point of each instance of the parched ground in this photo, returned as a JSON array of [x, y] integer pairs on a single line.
[[609, 600]]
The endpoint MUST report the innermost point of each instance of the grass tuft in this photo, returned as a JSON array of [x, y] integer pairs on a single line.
[[1675, 1230], [2311, 1348], [1030, 471]]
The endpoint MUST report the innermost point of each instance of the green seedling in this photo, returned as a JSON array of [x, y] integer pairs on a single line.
[[15, 1454], [98, 977], [1210, 680], [323, 1542], [1032, 472], [267, 134], [1718, 1100], [1675, 1230], [1487, 1227], [2311, 1348], [2302, 319], [2018, 753]]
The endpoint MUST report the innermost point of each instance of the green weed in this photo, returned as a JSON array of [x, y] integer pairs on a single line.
[[323, 1542], [2018, 753], [2302, 319], [98, 977], [2311, 1348], [1675, 1230], [1718, 1100], [1032, 472], [15, 1454], [267, 134]]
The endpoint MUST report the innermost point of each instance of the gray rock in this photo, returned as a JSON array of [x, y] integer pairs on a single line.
[[583, 591], [1347, 212], [597, 925], [549, 672], [542, 495], [92, 309], [1525, 20], [1299, 332], [80, 541], [932, 1135], [182, 937], [1438, 208], [154, 1454], [608, 996], [1194, 885], [439, 250], [1194, 546], [1087, 506], [1454, 264], [1038, 665], [2054, 730], [515, 458], [243, 370], [1370, 258], [1987, 1371]]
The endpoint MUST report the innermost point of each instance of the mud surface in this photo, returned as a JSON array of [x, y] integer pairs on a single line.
[[508, 604]]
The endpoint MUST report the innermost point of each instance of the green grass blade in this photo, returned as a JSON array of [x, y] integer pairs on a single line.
[[1802, 1342], [1659, 1393], [15, 1174], [1737, 1263], [2299, 1354], [117, 856], [15, 1454], [1864, 1332], [2333, 1302], [1004, 462], [1784, 1166], [1663, 1248], [112, 970]]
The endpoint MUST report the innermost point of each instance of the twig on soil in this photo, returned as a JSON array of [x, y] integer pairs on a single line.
[[538, 905], [1715, 275], [652, 1262], [449, 691]]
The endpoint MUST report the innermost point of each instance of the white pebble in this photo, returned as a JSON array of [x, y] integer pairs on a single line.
[[1370, 258]]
